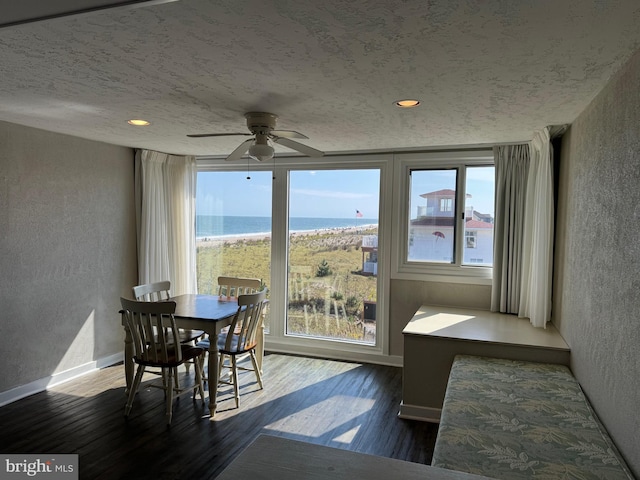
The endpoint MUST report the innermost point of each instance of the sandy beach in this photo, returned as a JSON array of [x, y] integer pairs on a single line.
[[338, 232]]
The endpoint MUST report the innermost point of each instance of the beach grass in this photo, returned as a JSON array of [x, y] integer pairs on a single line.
[[326, 288]]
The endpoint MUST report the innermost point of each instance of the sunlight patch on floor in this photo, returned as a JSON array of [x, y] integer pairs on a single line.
[[347, 437], [318, 420]]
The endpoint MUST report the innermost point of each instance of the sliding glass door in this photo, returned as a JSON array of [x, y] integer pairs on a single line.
[[333, 254]]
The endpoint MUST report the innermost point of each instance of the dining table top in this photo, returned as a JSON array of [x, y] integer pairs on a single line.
[[204, 307]]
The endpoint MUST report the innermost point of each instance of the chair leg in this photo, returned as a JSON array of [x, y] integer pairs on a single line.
[[176, 382], [199, 374], [220, 365], [254, 361], [134, 389], [169, 401], [234, 372]]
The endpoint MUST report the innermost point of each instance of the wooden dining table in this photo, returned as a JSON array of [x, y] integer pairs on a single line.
[[210, 313]]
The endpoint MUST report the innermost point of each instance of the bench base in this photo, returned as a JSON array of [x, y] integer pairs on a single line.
[[435, 335]]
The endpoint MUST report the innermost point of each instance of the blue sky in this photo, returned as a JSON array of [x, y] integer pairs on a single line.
[[325, 193], [314, 193], [480, 185]]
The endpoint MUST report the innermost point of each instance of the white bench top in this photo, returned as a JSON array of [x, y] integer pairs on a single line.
[[482, 326]]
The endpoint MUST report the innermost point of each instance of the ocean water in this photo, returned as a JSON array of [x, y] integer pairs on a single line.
[[224, 226]]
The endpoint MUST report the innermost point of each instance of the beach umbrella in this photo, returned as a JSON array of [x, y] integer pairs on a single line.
[[438, 235]]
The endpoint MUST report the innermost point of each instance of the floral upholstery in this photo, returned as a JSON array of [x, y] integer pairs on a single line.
[[515, 420]]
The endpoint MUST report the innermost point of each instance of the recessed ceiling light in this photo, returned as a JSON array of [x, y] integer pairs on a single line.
[[138, 123], [407, 103]]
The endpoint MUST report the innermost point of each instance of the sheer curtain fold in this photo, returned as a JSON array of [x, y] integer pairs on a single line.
[[523, 245], [165, 215], [535, 302]]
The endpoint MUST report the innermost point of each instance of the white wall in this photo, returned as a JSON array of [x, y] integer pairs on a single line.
[[67, 252], [596, 303]]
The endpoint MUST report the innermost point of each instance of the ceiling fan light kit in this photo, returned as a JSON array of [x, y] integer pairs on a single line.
[[262, 125], [261, 152]]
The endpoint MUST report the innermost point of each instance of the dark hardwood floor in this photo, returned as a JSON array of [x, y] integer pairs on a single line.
[[339, 404]]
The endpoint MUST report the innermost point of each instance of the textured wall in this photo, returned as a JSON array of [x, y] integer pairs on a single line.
[[67, 251], [597, 276]]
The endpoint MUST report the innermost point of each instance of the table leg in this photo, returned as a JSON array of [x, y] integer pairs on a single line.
[[128, 359], [214, 374]]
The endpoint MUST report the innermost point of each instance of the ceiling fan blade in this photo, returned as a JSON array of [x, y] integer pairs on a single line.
[[198, 135], [312, 152], [240, 150], [288, 134]]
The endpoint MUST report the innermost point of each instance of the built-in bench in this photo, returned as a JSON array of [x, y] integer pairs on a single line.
[[514, 420], [436, 334]]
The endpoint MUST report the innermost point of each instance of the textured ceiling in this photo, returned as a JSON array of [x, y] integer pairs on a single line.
[[486, 71]]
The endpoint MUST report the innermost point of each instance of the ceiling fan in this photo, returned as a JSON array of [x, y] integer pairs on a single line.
[[262, 127]]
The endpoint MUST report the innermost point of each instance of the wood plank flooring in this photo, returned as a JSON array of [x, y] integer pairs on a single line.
[[340, 404]]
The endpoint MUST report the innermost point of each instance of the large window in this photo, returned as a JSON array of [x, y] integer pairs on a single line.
[[311, 235], [333, 254], [233, 227], [445, 226]]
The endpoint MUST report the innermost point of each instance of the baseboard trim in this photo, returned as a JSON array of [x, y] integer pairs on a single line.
[[332, 354], [43, 384], [416, 412]]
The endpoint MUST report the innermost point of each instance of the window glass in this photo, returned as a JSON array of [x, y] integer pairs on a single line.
[[233, 228], [479, 215], [333, 254], [432, 215]]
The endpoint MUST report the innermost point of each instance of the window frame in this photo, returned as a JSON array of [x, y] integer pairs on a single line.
[[456, 272], [278, 339]]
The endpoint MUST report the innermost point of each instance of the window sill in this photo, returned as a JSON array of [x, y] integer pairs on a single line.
[[466, 275]]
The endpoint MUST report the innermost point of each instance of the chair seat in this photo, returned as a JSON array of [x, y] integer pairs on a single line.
[[189, 352], [222, 344], [187, 336]]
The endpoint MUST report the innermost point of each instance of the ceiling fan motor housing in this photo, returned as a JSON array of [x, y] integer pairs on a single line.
[[261, 123]]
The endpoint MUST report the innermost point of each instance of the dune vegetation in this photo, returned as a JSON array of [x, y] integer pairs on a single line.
[[327, 288]]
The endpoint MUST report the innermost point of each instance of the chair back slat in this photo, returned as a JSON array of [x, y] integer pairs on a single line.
[[152, 292], [244, 326], [233, 287], [154, 331]]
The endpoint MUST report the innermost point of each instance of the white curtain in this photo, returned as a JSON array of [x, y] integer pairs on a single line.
[[537, 249], [165, 204], [523, 233], [512, 168]]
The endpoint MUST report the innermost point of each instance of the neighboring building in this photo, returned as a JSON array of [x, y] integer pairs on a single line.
[[370, 255], [431, 232]]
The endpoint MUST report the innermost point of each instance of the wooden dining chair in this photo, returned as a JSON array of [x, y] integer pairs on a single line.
[[240, 339], [233, 287], [156, 344], [159, 292]]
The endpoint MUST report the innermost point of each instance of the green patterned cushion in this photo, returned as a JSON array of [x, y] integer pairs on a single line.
[[519, 420]]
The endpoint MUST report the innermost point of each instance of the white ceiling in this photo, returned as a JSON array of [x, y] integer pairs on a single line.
[[486, 71]]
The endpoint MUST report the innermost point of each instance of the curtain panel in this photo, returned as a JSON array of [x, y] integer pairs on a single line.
[[512, 170], [165, 216], [523, 242], [537, 268]]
